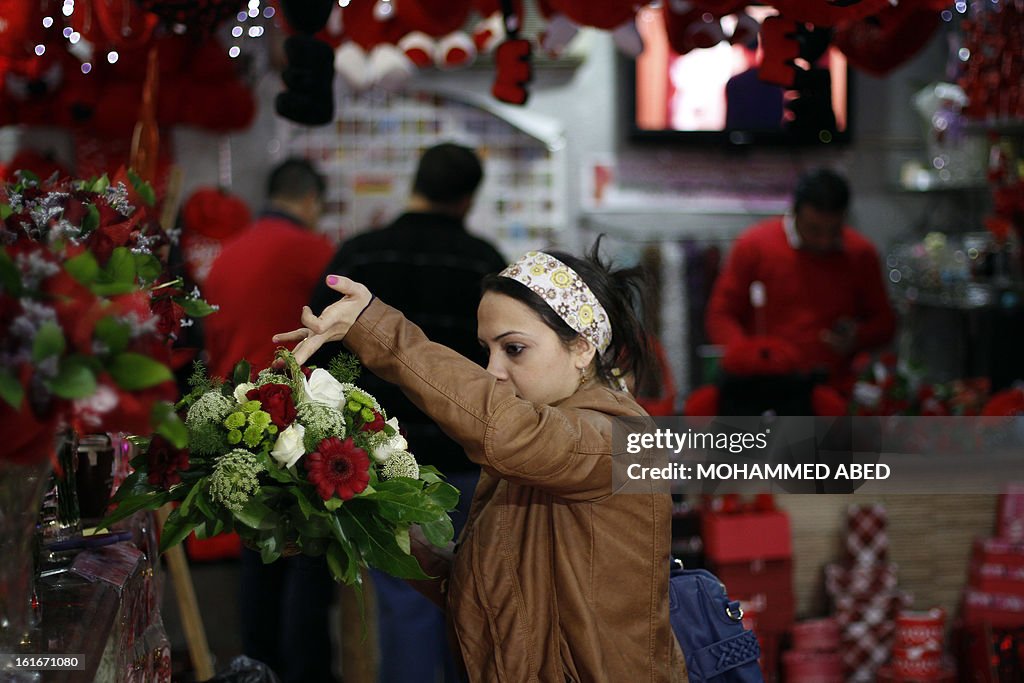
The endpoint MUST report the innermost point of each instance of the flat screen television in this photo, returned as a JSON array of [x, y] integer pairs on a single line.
[[713, 95]]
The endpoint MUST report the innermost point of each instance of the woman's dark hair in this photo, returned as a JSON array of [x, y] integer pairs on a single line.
[[619, 291]]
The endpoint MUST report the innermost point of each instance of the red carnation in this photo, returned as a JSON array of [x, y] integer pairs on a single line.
[[165, 462], [374, 425], [276, 400], [338, 467]]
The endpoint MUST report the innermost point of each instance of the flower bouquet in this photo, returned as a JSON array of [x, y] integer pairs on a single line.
[[87, 310], [295, 460]]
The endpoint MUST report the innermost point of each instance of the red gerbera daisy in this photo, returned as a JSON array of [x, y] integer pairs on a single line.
[[338, 467]]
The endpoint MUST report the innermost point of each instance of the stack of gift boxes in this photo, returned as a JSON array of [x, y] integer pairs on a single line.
[[917, 653], [864, 593], [750, 551], [815, 656], [992, 634]]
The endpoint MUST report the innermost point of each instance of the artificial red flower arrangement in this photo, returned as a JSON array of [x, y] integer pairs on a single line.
[[293, 460], [88, 312]]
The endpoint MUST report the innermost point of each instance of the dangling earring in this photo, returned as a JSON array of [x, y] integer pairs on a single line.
[[583, 376]]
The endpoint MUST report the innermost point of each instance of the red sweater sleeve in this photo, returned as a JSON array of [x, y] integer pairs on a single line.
[[877, 323], [729, 315]]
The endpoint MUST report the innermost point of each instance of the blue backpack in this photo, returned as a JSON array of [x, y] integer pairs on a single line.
[[710, 630]]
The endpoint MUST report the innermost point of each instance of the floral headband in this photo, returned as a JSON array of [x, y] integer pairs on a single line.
[[566, 293]]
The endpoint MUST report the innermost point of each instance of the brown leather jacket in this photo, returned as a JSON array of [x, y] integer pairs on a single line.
[[555, 579]]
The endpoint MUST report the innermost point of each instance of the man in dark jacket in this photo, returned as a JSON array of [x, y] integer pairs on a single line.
[[426, 265]]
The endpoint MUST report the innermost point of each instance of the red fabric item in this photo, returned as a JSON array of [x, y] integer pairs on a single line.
[[602, 14], [749, 356], [215, 213], [702, 402], [747, 536], [1005, 403], [433, 17], [512, 71], [261, 280], [827, 402], [805, 294], [222, 547]]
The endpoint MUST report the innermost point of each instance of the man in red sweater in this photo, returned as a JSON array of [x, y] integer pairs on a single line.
[[807, 278], [259, 280], [259, 275]]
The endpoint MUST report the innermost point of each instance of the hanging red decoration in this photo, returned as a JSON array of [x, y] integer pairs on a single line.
[[433, 17], [603, 14], [202, 16], [118, 24], [830, 12], [882, 42]]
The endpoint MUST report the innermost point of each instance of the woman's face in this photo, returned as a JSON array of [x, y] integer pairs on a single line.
[[526, 353]]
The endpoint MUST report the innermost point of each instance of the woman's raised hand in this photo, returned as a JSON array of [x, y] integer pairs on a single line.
[[333, 323]]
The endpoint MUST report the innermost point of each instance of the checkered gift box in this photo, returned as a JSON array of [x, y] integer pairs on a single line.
[[867, 541], [860, 581], [865, 648], [871, 610]]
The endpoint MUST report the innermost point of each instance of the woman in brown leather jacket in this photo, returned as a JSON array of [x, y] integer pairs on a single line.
[[556, 577]]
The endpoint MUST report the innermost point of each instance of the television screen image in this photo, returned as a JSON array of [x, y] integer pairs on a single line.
[[714, 94]]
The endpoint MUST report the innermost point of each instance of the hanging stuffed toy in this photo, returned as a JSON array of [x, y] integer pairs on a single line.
[[489, 31], [512, 61], [830, 13], [880, 43], [372, 54], [566, 16], [209, 217], [309, 74], [199, 16], [697, 24]]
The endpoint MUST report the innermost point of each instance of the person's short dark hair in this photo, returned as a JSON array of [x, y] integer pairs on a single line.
[[823, 189], [620, 291], [295, 178], [447, 173]]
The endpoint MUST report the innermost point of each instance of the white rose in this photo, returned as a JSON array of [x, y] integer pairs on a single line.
[[288, 448], [242, 389], [321, 387], [396, 444]]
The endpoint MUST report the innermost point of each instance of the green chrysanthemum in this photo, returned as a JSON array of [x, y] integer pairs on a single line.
[[321, 422], [253, 435], [235, 478], [234, 420], [260, 419], [401, 464], [357, 399], [234, 437], [251, 406]]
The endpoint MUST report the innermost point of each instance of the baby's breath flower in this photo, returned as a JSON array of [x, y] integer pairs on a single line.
[[269, 376], [117, 198], [401, 464], [212, 406], [235, 478], [321, 422]]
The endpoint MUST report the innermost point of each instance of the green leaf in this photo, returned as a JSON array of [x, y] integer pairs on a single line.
[[176, 529], [257, 515], [132, 504], [100, 184], [121, 267], [205, 505], [114, 333], [195, 308], [144, 189], [11, 390], [439, 532], [333, 504], [305, 506], [407, 507], [378, 545], [186, 505], [442, 494], [5, 211], [75, 378], [403, 540], [241, 372], [10, 276], [430, 474], [147, 267], [91, 221], [134, 371], [344, 567], [168, 425], [83, 268], [135, 484], [28, 175]]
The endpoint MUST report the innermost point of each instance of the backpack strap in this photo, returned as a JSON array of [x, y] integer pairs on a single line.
[[717, 658]]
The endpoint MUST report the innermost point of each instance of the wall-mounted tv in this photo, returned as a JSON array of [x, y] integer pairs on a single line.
[[714, 94]]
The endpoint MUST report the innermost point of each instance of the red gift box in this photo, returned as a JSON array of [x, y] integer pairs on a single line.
[[812, 667], [1010, 518], [945, 674], [915, 662], [816, 635], [764, 587], [746, 536], [997, 578], [999, 551], [1001, 611], [921, 629]]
